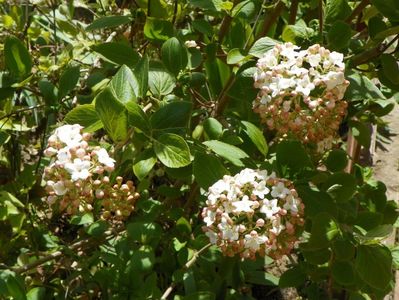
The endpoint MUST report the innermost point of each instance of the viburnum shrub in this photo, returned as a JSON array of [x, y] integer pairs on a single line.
[[78, 178], [196, 149], [253, 212], [301, 93]]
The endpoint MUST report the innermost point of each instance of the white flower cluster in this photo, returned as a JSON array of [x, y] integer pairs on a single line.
[[253, 212], [77, 176], [301, 91]]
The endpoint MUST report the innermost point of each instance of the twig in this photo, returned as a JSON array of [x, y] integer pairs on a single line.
[[321, 22], [185, 267], [21, 110], [293, 11], [225, 25], [174, 11], [223, 99], [272, 18], [59, 253], [246, 46], [357, 11]]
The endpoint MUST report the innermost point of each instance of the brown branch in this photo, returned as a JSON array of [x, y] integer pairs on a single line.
[[357, 11], [321, 21], [272, 18], [57, 254], [187, 266], [223, 99], [293, 11]]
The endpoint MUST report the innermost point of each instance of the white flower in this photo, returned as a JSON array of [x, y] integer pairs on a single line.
[[103, 157], [212, 236], [79, 169], [229, 232], [333, 79], [244, 177], [279, 190], [291, 204], [253, 241], [63, 156], [337, 59], [190, 44], [304, 86], [314, 59], [269, 208], [245, 205], [260, 189], [59, 188], [210, 217], [69, 134], [277, 226]]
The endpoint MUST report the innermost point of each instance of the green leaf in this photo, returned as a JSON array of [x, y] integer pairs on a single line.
[[173, 117], [17, 58], [117, 53], [161, 82], [245, 9], [361, 132], [343, 249], [97, 228], [122, 84], [141, 75], [316, 257], [362, 88], [256, 136], [37, 293], [49, 92], [324, 230], [113, 115], [390, 67], [235, 56], [261, 278], [68, 81], [217, 73], [336, 10], [108, 22], [137, 117], [340, 186], [203, 295], [172, 150], [336, 160], [292, 278], [389, 8], [14, 284], [144, 232], [373, 264], [297, 33], [285, 159], [261, 46], [229, 152], [86, 218], [174, 55], [86, 116], [343, 273], [158, 30], [213, 128], [379, 232], [203, 27], [207, 169], [339, 35], [144, 164], [208, 5]]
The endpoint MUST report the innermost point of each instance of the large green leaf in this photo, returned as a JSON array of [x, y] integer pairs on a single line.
[[144, 163], [17, 57], [108, 22], [286, 159], [117, 53], [172, 150], [343, 272], [113, 115], [362, 88], [389, 8], [373, 264], [256, 136], [341, 186], [336, 10], [339, 35], [293, 277], [213, 128], [324, 230], [390, 67], [137, 117], [261, 46], [158, 30], [122, 84], [229, 152], [174, 55], [173, 117], [68, 80], [207, 169], [161, 82], [141, 76], [86, 116]]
